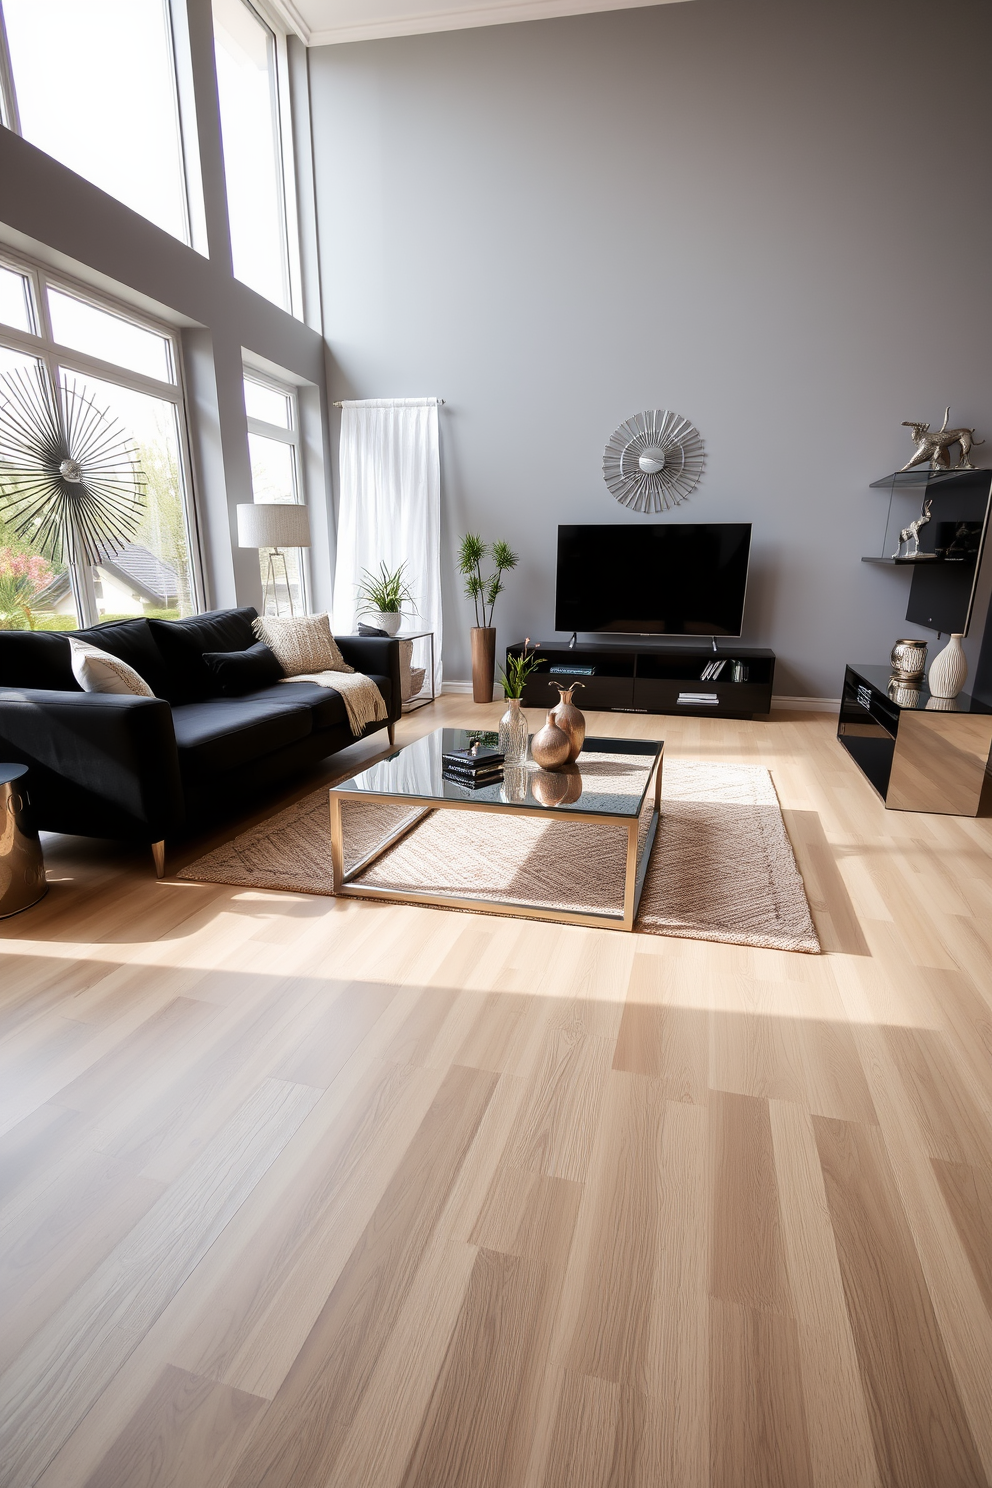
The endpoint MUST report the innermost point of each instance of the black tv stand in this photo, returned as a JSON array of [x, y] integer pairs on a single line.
[[643, 675]]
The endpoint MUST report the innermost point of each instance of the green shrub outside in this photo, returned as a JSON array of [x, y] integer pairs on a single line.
[[69, 622]]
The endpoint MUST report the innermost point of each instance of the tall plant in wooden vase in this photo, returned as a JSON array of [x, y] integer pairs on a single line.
[[484, 590]]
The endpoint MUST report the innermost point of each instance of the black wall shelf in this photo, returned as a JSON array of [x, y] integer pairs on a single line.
[[942, 589]]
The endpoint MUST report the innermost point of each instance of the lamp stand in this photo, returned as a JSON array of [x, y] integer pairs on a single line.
[[270, 578]]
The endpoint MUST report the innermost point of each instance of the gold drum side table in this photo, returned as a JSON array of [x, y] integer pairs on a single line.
[[22, 867]]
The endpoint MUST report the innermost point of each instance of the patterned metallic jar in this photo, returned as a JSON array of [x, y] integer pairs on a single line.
[[909, 660]]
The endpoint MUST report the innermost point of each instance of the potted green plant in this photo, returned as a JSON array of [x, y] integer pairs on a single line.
[[513, 724], [382, 595], [484, 591]]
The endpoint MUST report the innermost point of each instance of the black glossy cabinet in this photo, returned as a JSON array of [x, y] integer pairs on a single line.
[[645, 677], [921, 753]]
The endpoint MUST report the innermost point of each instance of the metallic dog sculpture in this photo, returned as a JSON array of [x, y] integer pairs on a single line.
[[934, 445]]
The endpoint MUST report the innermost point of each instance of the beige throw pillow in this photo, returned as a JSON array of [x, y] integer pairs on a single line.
[[302, 644], [98, 671]]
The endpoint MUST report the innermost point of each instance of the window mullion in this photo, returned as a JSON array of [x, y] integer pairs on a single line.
[[8, 93], [271, 431], [79, 362], [290, 206]]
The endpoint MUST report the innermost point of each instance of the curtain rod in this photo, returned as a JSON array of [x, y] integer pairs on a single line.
[[441, 402]]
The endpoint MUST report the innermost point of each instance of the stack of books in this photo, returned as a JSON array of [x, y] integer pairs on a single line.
[[473, 767]]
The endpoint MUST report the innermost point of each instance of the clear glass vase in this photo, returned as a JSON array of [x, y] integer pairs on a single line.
[[513, 733]]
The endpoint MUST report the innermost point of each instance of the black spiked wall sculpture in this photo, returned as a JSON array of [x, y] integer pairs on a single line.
[[70, 480]]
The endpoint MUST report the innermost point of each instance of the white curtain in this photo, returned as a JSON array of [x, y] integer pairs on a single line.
[[390, 507]]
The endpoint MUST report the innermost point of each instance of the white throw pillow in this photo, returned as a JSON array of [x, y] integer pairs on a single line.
[[98, 671], [301, 644]]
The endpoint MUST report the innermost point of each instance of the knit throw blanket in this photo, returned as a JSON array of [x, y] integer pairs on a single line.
[[362, 699]]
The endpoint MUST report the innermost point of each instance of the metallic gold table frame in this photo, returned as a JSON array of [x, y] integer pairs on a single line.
[[634, 870]]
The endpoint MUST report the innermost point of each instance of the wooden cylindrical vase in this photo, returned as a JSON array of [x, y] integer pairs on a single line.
[[483, 662]]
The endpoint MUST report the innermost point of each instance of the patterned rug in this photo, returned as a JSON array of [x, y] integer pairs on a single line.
[[722, 867]]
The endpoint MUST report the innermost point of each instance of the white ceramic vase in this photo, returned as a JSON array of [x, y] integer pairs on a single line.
[[949, 669], [390, 622]]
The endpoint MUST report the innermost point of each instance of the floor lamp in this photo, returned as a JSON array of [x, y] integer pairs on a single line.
[[274, 525]]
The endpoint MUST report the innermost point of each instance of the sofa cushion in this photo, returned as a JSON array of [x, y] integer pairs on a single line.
[[222, 733], [238, 672], [131, 641], [36, 658], [325, 703], [326, 706], [183, 642]]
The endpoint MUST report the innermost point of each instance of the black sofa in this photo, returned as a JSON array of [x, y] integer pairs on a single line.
[[147, 769]]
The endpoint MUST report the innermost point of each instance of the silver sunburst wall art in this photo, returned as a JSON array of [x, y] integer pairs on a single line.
[[71, 481], [653, 461]]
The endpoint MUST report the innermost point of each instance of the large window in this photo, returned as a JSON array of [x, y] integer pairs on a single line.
[[273, 444], [93, 83], [248, 87], [92, 355]]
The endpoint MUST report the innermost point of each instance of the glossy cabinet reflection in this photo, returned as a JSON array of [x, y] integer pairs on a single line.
[[920, 753]]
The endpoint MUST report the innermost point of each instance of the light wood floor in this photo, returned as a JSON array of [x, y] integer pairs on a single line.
[[308, 1194]]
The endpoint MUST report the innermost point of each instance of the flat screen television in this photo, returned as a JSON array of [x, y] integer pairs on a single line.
[[671, 578]]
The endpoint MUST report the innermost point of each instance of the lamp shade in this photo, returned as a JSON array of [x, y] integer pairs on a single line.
[[273, 524]]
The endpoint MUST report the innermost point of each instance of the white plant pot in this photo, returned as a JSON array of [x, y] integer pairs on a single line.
[[949, 669], [389, 622]]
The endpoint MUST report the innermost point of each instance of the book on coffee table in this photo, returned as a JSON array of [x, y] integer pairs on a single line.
[[473, 759]]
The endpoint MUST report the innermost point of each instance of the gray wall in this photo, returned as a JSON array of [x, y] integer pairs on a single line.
[[772, 216]]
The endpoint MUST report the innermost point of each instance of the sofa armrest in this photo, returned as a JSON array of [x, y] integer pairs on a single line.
[[379, 655], [102, 764]]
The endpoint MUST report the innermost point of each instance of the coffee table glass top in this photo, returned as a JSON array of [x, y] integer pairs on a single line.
[[610, 777]]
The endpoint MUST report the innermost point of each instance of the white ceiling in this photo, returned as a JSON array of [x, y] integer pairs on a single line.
[[319, 22]]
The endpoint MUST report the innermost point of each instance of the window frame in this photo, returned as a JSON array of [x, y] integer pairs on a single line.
[[53, 356], [282, 123], [185, 117], [290, 436]]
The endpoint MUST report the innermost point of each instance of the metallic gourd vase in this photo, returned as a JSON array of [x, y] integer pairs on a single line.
[[909, 660], [551, 747], [568, 718]]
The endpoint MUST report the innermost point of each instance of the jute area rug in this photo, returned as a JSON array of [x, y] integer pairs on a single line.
[[722, 867]]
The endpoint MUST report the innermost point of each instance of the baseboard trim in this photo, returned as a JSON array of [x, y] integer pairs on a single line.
[[805, 704], [463, 687]]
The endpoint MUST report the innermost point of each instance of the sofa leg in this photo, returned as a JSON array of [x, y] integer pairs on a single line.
[[158, 854], [391, 731]]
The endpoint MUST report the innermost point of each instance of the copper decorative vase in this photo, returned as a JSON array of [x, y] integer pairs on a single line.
[[483, 662], [550, 748], [568, 718]]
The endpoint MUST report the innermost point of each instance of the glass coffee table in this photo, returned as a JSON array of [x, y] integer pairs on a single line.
[[614, 783]]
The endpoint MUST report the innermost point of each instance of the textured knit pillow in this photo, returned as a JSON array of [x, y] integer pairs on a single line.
[[98, 671], [302, 644]]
